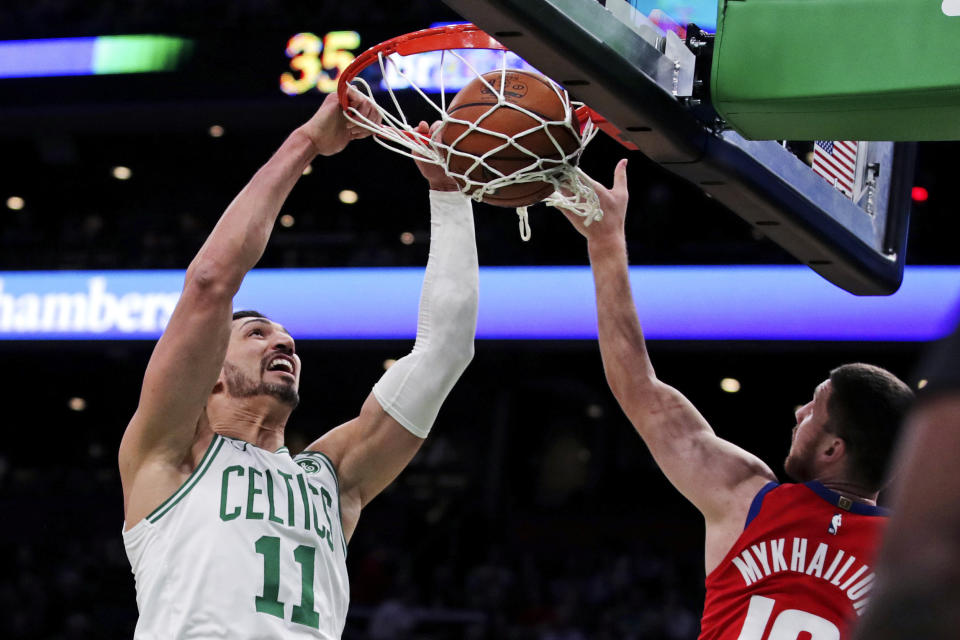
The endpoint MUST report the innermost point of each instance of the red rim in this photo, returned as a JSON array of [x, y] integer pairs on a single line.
[[455, 36]]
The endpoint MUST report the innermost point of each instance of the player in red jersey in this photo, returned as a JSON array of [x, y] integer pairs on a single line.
[[783, 562]]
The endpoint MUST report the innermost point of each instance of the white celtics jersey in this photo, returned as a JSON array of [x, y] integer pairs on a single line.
[[250, 546]]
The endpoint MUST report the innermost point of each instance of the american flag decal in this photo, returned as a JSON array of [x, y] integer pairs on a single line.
[[836, 161]]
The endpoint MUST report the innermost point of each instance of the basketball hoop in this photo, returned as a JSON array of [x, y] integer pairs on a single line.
[[395, 132]]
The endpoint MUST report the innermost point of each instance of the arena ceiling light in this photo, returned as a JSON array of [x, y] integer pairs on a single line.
[[730, 385], [91, 56]]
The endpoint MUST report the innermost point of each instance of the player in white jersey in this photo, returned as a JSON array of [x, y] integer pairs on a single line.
[[228, 536]]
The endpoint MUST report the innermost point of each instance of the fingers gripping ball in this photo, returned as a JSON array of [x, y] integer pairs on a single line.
[[520, 121]]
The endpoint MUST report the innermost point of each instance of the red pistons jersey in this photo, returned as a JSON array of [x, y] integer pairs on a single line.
[[801, 569]]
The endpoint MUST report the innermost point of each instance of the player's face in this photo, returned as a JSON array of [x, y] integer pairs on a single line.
[[808, 434], [261, 360]]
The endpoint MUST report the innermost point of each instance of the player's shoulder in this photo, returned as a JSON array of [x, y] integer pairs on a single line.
[[810, 495], [775, 497], [793, 491], [313, 462]]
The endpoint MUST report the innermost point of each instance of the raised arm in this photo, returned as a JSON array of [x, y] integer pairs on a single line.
[[371, 450], [719, 478], [188, 357]]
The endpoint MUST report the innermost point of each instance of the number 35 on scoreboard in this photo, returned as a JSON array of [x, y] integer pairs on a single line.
[[317, 62]]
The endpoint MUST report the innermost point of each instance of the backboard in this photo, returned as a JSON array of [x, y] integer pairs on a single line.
[[653, 86]]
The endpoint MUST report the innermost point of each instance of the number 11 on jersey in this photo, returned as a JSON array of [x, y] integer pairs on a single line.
[[269, 602]]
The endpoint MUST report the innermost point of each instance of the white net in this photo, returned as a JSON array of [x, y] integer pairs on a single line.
[[398, 133]]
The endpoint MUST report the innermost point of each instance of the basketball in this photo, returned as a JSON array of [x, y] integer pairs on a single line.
[[523, 89]]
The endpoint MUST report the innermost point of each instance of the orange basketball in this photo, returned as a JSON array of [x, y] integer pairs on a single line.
[[534, 93]]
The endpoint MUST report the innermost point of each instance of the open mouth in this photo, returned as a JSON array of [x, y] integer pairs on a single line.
[[281, 364]]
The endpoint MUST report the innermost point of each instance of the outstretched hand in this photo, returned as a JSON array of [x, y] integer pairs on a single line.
[[330, 131], [434, 173], [613, 203]]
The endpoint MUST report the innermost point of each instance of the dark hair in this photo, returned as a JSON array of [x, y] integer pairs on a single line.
[[247, 313], [866, 408]]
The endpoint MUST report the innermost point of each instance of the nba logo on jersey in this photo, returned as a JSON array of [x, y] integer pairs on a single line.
[[835, 522]]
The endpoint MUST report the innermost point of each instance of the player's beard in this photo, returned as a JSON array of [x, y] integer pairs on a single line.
[[797, 468], [240, 385], [797, 465]]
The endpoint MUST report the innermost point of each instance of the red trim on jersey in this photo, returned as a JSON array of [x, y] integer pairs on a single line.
[[803, 561]]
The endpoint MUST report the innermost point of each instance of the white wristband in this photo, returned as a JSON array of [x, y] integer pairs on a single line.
[[413, 389]]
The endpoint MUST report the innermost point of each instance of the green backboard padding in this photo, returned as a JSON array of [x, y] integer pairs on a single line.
[[838, 69]]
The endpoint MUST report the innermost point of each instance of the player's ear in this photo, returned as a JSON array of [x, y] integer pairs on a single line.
[[220, 385], [835, 448]]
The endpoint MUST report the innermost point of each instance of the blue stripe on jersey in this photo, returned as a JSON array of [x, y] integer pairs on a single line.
[[834, 498], [758, 502]]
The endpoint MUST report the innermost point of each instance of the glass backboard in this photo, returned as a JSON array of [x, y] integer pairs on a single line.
[[652, 82]]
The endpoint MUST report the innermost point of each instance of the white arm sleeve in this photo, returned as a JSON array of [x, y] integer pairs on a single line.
[[413, 389]]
